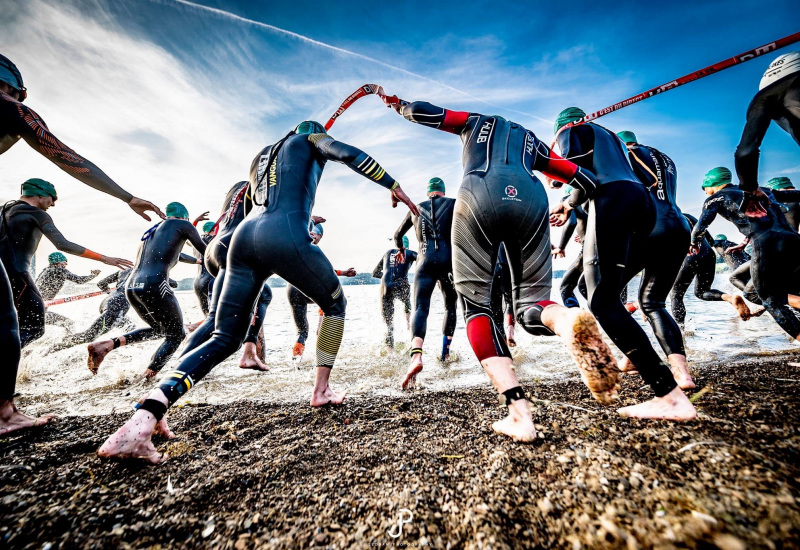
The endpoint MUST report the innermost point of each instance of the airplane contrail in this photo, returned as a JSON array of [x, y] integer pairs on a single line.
[[307, 40]]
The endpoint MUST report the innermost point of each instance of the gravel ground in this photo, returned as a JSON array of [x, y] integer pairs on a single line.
[[252, 475]]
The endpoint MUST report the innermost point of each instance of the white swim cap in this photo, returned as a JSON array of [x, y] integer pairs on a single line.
[[784, 65]]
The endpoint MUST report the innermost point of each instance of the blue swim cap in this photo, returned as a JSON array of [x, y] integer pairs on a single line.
[[10, 74], [177, 210], [627, 136], [310, 127], [208, 227], [405, 241], [56, 258], [720, 237]]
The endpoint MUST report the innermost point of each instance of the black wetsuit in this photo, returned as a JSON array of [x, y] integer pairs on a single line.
[[394, 286], [699, 268], [573, 276], [17, 121], [148, 289], [434, 264], [274, 239], [299, 304], [24, 226], [501, 201], [204, 281], [50, 282], [502, 298], [780, 101], [775, 265], [619, 243], [216, 262], [789, 198]]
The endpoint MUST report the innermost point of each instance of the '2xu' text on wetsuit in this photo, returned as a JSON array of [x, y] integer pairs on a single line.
[[501, 201], [274, 238]]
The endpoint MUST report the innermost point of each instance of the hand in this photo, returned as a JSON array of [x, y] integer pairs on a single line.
[[553, 184], [350, 272], [557, 252], [401, 256], [199, 261], [394, 102], [202, 217], [398, 196], [736, 248], [559, 214], [578, 239], [117, 262], [140, 206], [752, 204], [318, 219], [694, 249], [95, 272]]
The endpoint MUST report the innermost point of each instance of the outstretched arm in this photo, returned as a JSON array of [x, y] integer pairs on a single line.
[[707, 216], [103, 284], [80, 279], [402, 230], [35, 132], [433, 116], [187, 259], [747, 152], [61, 243]]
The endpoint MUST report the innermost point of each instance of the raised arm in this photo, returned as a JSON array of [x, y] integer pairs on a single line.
[[402, 230], [433, 116], [747, 152]]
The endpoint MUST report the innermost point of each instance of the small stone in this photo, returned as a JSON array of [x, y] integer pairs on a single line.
[[545, 505], [728, 542]]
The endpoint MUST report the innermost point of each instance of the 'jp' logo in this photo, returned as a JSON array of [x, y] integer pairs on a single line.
[[511, 191], [405, 517]]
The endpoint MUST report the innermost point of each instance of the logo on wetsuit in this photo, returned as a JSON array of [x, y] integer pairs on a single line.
[[485, 132], [511, 194]]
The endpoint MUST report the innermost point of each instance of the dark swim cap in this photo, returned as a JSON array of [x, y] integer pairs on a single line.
[[10, 74], [36, 187], [310, 127], [717, 176], [780, 183], [405, 242], [436, 185], [720, 237], [177, 210], [627, 136], [570, 114], [208, 226], [56, 258]]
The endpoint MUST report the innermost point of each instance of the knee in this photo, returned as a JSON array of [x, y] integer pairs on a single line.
[[338, 307], [531, 319], [649, 305]]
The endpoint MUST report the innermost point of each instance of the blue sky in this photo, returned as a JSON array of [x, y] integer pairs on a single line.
[[173, 101]]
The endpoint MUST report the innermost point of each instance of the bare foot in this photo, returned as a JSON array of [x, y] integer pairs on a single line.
[[682, 377], [98, 352], [673, 406], [598, 367], [150, 374], [414, 369], [133, 440], [161, 428], [250, 358], [759, 312], [11, 420], [326, 397], [298, 349], [627, 367], [518, 425], [741, 308], [191, 327]]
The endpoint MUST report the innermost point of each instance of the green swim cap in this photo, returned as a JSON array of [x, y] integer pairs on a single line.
[[627, 136], [310, 127], [720, 237], [436, 185], [177, 210], [570, 114], [36, 187], [208, 227], [317, 229], [568, 190], [780, 183], [717, 176], [405, 241], [56, 258]]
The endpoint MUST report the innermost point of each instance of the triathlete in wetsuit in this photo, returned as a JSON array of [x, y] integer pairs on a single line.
[[434, 266], [738, 261], [775, 264], [575, 224], [23, 223], [273, 238], [149, 292], [50, 282], [204, 281], [502, 296], [299, 302], [501, 201], [618, 245], [778, 99], [18, 121], [778, 186], [392, 270]]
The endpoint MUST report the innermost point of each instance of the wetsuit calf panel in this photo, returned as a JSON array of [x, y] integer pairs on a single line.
[[299, 305], [258, 314], [9, 338]]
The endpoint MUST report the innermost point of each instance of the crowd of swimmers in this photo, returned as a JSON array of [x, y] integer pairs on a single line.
[[488, 249]]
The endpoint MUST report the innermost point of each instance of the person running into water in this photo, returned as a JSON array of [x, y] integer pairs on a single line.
[[778, 186], [299, 302], [618, 245], [501, 201], [775, 264], [204, 281], [18, 121], [149, 292], [392, 270], [738, 261], [273, 238], [50, 282], [434, 265], [575, 224], [22, 224]]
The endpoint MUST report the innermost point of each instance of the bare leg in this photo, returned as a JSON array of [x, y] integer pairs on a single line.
[[415, 367], [680, 370], [673, 406], [11, 420], [580, 333], [134, 438], [323, 394], [250, 358], [794, 301], [738, 302], [98, 352], [518, 425], [510, 324]]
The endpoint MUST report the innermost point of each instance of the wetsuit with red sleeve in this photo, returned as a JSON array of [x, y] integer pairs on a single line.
[[501, 201]]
